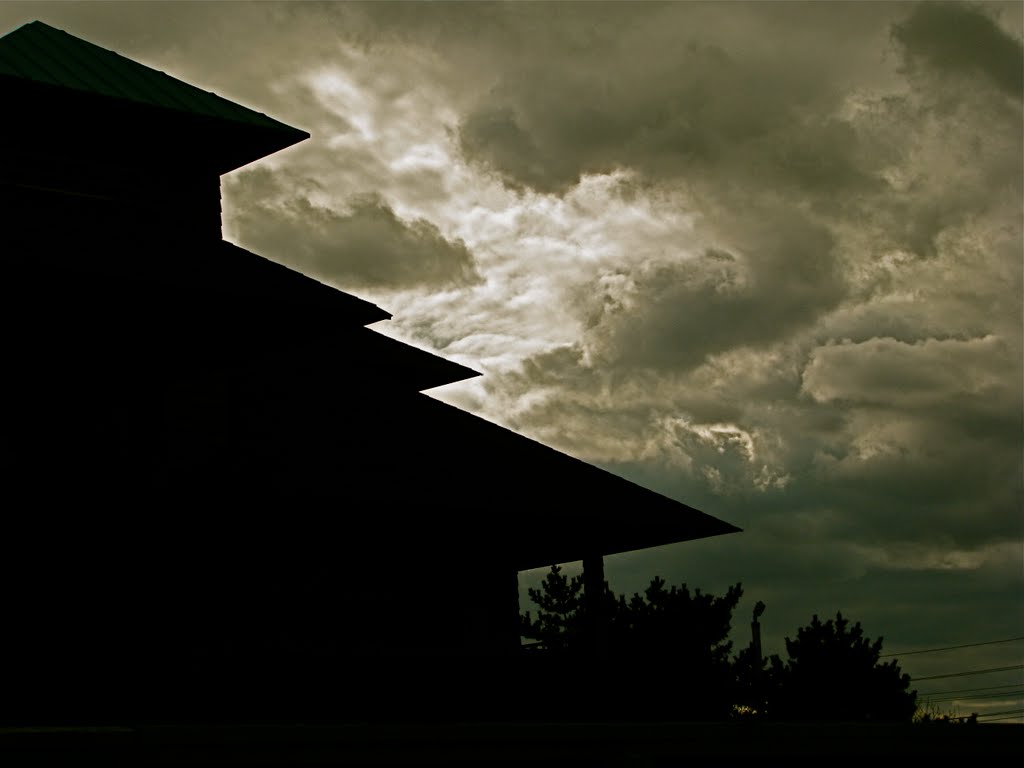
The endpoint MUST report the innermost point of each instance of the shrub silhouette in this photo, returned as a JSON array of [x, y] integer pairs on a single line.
[[833, 673], [668, 656]]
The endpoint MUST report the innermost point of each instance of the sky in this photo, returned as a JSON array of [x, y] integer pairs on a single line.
[[764, 258]]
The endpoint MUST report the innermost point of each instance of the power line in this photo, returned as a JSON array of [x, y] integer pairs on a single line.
[[971, 672], [971, 696], [1004, 717], [1016, 693], [952, 647], [969, 690], [1008, 695], [1004, 712]]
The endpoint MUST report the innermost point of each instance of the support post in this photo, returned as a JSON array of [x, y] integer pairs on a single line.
[[593, 600], [516, 640]]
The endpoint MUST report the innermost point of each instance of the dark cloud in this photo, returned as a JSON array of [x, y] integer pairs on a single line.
[[883, 370], [673, 92], [366, 245], [705, 112], [495, 135], [673, 315], [963, 39]]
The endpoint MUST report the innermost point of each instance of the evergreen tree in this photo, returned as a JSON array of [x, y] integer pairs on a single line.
[[668, 652], [559, 623], [833, 673]]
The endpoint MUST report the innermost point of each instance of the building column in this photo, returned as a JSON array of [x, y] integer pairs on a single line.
[[593, 601], [516, 639]]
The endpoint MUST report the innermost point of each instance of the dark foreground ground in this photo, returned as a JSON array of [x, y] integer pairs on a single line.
[[561, 744]]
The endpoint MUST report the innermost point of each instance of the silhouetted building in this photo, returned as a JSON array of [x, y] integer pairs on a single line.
[[209, 461]]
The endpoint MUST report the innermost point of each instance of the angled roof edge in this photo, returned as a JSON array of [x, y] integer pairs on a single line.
[[654, 519], [40, 53], [256, 275], [433, 369]]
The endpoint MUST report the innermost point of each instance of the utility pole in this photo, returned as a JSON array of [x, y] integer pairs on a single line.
[[755, 632]]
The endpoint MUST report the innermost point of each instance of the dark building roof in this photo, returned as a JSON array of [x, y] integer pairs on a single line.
[[565, 509], [211, 308], [41, 53], [177, 113], [241, 272]]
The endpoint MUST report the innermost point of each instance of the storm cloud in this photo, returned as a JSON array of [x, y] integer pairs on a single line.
[[765, 258], [676, 313], [964, 40]]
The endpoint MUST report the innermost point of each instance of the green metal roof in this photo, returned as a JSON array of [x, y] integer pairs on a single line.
[[40, 53]]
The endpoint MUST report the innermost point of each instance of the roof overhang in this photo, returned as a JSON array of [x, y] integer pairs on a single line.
[[64, 122]]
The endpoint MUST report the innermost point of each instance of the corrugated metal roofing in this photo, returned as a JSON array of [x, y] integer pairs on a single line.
[[41, 53]]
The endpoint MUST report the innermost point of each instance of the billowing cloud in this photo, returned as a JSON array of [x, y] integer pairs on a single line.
[[887, 371], [674, 314], [366, 245], [965, 40], [678, 92]]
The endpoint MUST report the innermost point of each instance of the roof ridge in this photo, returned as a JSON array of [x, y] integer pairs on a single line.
[[42, 53]]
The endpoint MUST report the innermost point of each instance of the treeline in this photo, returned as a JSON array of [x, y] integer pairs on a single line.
[[665, 654]]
